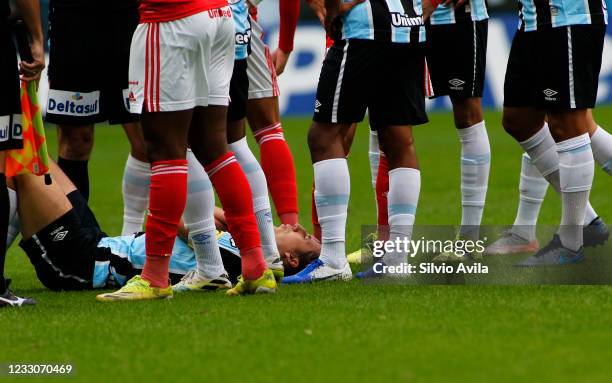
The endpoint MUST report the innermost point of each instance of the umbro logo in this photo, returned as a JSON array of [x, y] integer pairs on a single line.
[[60, 236], [317, 105], [549, 93], [456, 84], [200, 238]]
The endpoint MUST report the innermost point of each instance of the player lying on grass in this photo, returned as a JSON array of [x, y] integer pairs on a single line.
[[69, 250]]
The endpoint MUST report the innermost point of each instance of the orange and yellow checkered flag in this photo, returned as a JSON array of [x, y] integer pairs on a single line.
[[33, 158]]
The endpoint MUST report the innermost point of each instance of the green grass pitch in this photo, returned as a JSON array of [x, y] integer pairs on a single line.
[[331, 331]]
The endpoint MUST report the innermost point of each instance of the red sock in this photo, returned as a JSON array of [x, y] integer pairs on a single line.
[[316, 227], [382, 190], [155, 270], [234, 192], [167, 199], [277, 164]]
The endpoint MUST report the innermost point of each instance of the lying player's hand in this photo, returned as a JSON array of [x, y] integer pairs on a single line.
[[280, 58], [31, 71]]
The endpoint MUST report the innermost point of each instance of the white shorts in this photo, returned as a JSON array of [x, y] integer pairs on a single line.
[[261, 72], [181, 64]]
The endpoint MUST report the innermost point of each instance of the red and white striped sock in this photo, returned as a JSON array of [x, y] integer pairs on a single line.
[[235, 195], [278, 166], [167, 199]]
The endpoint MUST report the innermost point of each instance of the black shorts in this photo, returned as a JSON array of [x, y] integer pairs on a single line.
[[456, 58], [11, 136], [555, 68], [64, 253], [385, 78], [239, 91], [88, 65]]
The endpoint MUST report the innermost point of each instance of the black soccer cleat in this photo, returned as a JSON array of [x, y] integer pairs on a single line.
[[8, 299], [595, 233], [553, 254]]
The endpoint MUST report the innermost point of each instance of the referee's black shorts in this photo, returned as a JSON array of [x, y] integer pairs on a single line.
[[64, 253], [385, 78], [11, 136], [456, 58], [555, 68], [88, 64]]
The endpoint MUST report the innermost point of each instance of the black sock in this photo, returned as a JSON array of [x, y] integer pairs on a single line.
[[4, 218], [78, 174]]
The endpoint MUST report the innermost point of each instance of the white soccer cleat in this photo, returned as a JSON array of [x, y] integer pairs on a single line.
[[193, 281], [511, 243], [318, 271]]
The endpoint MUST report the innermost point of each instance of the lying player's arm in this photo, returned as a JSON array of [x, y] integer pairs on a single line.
[[30, 11], [182, 232], [220, 221], [289, 11]]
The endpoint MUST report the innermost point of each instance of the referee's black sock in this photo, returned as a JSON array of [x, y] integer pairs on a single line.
[[78, 174], [4, 221]]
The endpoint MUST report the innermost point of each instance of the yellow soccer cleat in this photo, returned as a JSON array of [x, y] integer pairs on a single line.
[[265, 284], [450, 256], [136, 289], [354, 258], [446, 257]]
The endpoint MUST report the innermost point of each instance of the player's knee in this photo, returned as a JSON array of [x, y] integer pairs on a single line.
[[467, 112], [398, 146], [76, 143], [316, 137], [321, 142], [160, 150], [512, 125]]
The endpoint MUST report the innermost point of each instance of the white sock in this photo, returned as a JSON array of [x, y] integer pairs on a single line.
[[374, 156], [576, 177], [475, 165], [532, 190], [601, 143], [13, 222], [135, 189], [542, 149], [332, 190], [199, 219], [261, 201], [403, 197]]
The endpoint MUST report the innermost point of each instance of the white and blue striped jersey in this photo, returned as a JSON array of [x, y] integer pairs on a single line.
[[474, 10], [132, 248], [240, 13], [539, 14], [398, 21]]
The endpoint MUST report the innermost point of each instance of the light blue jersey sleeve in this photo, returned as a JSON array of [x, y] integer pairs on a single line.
[[104, 275], [133, 248], [182, 260]]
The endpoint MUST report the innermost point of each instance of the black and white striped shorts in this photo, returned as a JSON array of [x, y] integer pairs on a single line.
[[555, 68], [385, 78]]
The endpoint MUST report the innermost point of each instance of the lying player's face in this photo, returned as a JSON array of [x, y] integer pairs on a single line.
[[292, 241]]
